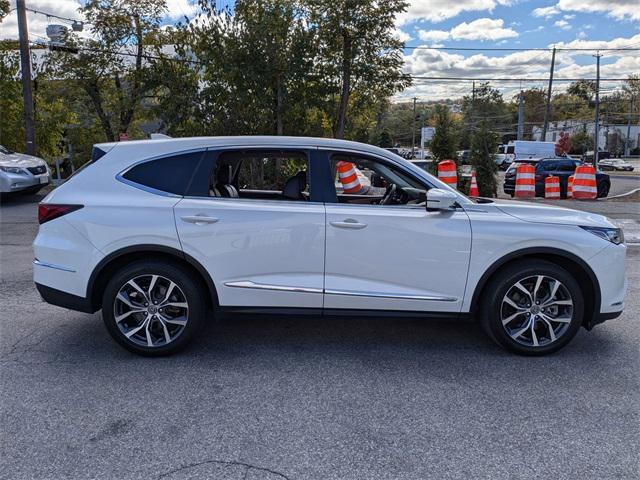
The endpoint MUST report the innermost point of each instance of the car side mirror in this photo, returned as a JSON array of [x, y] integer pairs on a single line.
[[438, 199]]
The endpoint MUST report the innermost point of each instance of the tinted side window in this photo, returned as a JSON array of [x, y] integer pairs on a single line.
[[169, 174], [567, 166]]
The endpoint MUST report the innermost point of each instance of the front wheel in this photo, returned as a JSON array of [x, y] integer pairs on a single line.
[[153, 308], [532, 307]]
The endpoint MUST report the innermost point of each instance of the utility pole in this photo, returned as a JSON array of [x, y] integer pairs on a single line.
[[597, 129], [413, 137], [521, 116], [627, 144], [25, 70], [547, 111]]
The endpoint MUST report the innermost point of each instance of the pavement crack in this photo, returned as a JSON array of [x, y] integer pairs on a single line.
[[248, 467]]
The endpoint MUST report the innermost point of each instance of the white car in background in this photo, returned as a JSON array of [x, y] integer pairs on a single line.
[[158, 233], [22, 173]]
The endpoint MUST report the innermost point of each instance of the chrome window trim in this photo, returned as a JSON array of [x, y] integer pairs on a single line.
[[40, 263]]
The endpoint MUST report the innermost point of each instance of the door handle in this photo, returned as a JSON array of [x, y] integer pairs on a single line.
[[199, 219], [349, 223]]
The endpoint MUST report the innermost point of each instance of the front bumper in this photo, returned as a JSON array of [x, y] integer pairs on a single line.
[[16, 182]]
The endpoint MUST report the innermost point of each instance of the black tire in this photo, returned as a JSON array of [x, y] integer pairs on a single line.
[[603, 190], [188, 290], [491, 308]]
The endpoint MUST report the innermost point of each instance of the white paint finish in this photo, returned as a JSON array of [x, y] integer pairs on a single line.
[[402, 252], [277, 243], [609, 267], [496, 235], [58, 243]]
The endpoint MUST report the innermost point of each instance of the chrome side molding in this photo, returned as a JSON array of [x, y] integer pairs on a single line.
[[40, 263], [354, 293], [266, 286]]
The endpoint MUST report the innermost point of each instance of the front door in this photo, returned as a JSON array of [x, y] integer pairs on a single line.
[[257, 231], [385, 251]]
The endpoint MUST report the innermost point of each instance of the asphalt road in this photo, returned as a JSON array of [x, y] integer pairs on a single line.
[[306, 398]]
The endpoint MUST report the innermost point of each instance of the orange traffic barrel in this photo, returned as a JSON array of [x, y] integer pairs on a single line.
[[552, 187], [525, 181], [570, 187], [584, 183], [448, 172], [348, 177]]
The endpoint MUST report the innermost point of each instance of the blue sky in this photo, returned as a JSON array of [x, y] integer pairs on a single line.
[[481, 24]]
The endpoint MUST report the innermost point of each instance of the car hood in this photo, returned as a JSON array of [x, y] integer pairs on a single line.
[[19, 160], [542, 213]]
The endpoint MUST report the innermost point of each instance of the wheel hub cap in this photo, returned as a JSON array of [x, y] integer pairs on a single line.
[[151, 310], [536, 311]]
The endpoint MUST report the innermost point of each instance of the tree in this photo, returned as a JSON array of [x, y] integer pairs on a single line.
[[113, 68], [384, 140], [444, 142], [585, 89], [4, 9], [255, 66], [535, 100], [481, 156], [357, 52], [581, 142], [485, 105]]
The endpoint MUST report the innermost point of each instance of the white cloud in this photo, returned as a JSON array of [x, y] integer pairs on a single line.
[[563, 24], [546, 12], [37, 24], [433, 35], [177, 9], [523, 64], [619, 9], [439, 10], [402, 35], [481, 29]]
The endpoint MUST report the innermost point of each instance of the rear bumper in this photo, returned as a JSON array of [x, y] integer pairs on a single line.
[[64, 299]]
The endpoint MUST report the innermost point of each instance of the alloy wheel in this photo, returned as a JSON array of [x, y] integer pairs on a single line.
[[537, 310], [151, 310]]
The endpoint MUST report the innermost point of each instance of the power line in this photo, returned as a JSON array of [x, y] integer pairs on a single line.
[[51, 15], [522, 49], [487, 79]]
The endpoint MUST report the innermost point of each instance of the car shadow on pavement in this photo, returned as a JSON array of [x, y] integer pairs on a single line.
[[291, 340]]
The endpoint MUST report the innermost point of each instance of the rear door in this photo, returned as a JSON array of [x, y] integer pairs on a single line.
[[262, 246]]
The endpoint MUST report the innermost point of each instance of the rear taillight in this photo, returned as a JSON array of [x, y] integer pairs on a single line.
[[49, 211]]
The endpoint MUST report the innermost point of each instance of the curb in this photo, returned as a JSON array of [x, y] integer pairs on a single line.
[[621, 195]]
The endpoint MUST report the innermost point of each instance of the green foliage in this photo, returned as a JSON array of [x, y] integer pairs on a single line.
[[4, 9], [481, 156], [357, 52], [485, 105], [384, 140], [581, 142], [445, 140]]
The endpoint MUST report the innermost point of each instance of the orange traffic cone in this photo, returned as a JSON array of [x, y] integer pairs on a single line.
[[473, 189]]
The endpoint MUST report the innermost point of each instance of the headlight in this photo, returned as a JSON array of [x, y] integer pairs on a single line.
[[17, 170], [613, 235]]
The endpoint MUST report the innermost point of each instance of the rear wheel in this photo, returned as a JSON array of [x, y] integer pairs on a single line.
[[153, 308], [532, 307]]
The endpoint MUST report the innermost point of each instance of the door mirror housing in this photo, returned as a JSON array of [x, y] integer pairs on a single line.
[[438, 199]]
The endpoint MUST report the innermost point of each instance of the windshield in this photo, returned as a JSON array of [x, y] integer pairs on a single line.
[[5, 150]]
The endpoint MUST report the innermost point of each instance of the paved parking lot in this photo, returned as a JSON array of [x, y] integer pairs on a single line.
[[306, 398]]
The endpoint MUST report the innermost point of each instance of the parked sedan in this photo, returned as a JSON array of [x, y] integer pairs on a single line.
[[559, 167], [22, 173], [157, 234], [615, 164]]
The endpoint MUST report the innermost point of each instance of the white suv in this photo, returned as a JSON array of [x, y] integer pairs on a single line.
[[159, 233]]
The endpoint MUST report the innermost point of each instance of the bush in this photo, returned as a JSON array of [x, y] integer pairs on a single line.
[[484, 144]]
